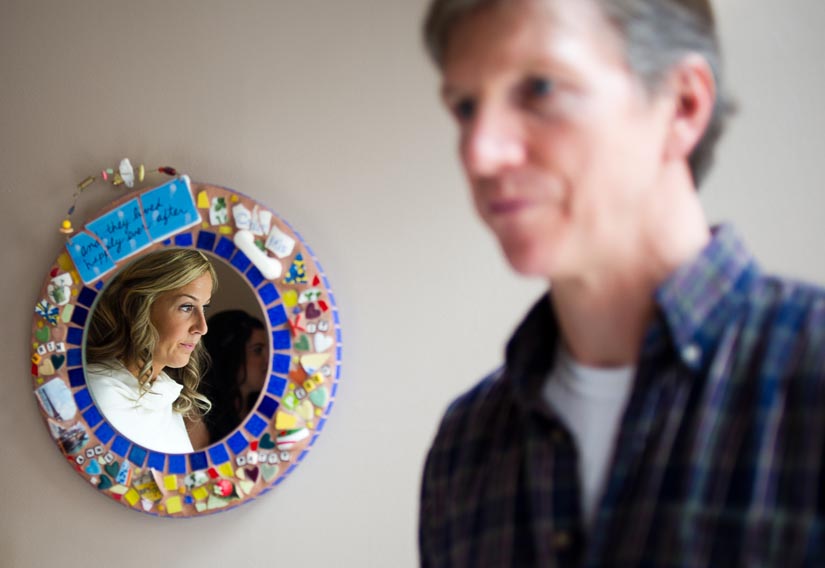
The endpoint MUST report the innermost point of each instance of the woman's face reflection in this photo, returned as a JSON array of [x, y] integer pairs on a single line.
[[252, 376]]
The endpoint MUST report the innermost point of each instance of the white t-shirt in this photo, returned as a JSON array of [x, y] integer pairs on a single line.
[[146, 418], [590, 401]]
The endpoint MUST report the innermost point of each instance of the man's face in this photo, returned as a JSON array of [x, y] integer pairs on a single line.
[[560, 142]]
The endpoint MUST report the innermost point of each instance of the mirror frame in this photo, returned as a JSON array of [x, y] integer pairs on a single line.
[[305, 366]]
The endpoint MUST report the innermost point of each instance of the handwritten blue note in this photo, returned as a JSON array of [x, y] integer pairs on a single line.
[[121, 230], [169, 209], [89, 256]]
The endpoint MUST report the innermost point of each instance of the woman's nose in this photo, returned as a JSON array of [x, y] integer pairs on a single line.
[[200, 323]]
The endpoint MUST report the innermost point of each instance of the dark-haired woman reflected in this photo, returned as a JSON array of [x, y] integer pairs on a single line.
[[239, 348]]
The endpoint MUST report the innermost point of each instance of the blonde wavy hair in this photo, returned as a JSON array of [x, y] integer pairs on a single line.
[[120, 326]]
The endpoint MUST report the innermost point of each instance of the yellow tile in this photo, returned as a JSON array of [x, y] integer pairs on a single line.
[[200, 493], [225, 469], [170, 482], [64, 261], [203, 200], [174, 505], [285, 421], [132, 497], [225, 230]]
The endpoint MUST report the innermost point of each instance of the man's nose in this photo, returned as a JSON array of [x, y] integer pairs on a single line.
[[492, 141]]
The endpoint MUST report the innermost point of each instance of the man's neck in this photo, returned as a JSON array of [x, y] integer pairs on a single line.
[[603, 315]]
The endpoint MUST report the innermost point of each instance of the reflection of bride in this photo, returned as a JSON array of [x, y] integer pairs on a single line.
[[144, 354]]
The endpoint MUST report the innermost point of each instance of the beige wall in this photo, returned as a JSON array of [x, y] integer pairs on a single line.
[[327, 112]]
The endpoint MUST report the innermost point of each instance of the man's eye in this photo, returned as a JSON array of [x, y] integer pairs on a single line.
[[464, 109], [539, 86]]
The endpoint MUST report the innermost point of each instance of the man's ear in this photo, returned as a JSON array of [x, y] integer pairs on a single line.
[[693, 87]]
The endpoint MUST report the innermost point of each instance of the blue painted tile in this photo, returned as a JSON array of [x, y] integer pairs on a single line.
[[92, 416], [105, 433], [218, 454], [177, 463], [157, 460], [206, 240], [280, 363], [75, 336], [198, 461], [183, 240], [241, 261], [276, 385], [74, 357], [281, 339], [268, 294], [268, 407], [321, 423], [256, 425], [237, 442], [76, 377], [277, 315], [79, 316], [255, 277], [225, 248], [121, 446], [82, 398], [137, 455], [86, 297]]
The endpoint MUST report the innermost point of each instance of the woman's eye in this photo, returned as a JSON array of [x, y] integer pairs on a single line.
[[187, 308]]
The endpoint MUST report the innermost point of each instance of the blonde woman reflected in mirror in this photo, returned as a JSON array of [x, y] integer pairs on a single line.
[[144, 357]]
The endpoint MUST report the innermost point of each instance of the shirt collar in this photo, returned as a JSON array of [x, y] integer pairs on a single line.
[[695, 303], [530, 353], [702, 296]]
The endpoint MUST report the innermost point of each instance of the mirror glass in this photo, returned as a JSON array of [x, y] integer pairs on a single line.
[[226, 325]]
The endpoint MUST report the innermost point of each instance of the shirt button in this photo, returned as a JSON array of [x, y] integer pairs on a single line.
[[562, 540], [691, 353]]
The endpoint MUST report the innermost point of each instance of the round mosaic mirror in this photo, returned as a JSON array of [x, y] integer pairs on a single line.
[[284, 289]]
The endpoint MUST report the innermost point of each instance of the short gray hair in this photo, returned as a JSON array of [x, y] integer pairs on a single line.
[[656, 35]]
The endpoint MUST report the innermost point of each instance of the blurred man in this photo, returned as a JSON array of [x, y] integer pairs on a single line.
[[663, 404]]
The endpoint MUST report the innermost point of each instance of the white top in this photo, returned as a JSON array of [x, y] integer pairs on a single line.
[[147, 417], [590, 401]]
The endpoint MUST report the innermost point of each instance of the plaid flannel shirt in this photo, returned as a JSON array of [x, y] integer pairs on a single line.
[[719, 455]]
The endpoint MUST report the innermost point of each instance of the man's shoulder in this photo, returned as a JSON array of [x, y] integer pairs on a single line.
[[789, 302], [783, 325], [470, 415]]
